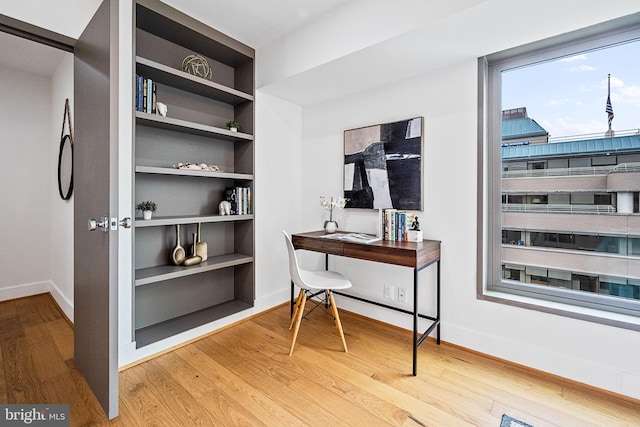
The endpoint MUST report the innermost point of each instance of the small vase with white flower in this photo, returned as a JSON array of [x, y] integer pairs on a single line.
[[330, 204]]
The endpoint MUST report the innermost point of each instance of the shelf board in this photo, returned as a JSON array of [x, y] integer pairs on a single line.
[[169, 123], [146, 276], [188, 172], [185, 81], [168, 23], [150, 334], [160, 221]]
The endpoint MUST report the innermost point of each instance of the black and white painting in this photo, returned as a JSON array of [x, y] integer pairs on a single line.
[[383, 166]]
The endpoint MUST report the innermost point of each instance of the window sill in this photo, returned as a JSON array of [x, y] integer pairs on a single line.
[[582, 313]]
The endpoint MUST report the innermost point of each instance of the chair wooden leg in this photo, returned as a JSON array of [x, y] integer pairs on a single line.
[[300, 312], [296, 306], [336, 316]]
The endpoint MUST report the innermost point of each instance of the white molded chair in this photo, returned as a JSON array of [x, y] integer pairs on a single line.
[[311, 283]]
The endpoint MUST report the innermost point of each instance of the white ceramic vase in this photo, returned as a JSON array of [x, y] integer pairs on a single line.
[[147, 214], [330, 226]]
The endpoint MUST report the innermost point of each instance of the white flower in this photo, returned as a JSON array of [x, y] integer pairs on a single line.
[[330, 203]]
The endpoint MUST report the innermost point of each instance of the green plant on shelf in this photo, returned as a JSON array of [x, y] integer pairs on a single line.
[[147, 206], [232, 124]]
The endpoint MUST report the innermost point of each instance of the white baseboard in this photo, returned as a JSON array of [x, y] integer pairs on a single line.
[[546, 359], [31, 289], [25, 290], [63, 302]]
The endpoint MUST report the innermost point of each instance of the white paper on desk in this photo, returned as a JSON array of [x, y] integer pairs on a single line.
[[353, 237]]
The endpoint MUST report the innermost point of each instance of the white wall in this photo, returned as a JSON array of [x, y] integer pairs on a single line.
[[278, 168], [25, 119], [595, 354], [36, 248], [61, 216]]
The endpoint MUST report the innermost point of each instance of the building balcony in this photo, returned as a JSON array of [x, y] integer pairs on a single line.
[[621, 177], [550, 184], [591, 263], [558, 208], [544, 217]]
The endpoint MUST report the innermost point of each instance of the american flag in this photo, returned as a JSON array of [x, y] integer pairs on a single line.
[[609, 110]]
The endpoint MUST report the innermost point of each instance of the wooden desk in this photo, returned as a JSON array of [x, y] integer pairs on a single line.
[[416, 255]]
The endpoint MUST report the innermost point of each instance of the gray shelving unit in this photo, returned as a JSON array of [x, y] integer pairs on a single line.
[[170, 299]]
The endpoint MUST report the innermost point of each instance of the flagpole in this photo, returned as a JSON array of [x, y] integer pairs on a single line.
[[609, 92], [609, 109]]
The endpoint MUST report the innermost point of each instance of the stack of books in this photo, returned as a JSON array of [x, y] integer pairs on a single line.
[[395, 224], [145, 95], [240, 199]]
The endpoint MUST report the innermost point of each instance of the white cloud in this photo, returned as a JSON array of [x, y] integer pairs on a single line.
[[615, 83], [556, 102], [626, 95], [569, 126], [582, 68], [581, 57]]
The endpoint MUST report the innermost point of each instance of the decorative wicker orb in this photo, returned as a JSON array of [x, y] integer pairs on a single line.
[[196, 65]]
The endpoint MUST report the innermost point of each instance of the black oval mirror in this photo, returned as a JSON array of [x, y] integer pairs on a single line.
[[65, 168]]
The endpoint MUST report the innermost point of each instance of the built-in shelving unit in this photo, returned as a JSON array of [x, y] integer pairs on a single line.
[[170, 299]]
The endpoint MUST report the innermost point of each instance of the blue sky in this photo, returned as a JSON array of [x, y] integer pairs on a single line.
[[568, 96]]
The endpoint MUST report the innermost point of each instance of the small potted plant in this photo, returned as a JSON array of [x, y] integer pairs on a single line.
[[233, 126], [147, 208], [330, 204]]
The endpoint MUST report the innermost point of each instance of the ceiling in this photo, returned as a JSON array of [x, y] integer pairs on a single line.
[[335, 47], [257, 22], [24, 55], [253, 22]]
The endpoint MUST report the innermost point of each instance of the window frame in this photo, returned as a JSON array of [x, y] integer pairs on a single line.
[[490, 285]]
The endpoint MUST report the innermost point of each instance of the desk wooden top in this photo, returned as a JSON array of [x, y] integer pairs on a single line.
[[408, 254]]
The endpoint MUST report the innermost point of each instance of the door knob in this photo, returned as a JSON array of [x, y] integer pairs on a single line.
[[125, 222], [102, 223]]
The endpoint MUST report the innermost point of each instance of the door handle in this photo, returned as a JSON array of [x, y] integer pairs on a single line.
[[124, 222], [102, 223]]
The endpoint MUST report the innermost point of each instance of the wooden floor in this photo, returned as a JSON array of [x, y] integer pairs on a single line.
[[243, 376]]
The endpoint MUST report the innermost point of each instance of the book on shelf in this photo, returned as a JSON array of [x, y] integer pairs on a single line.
[[230, 196], [139, 92], [146, 95]]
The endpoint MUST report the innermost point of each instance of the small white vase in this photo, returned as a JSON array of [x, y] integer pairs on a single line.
[[233, 129], [147, 214], [330, 226]]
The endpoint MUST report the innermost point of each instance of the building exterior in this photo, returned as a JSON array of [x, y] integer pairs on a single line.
[[570, 209]]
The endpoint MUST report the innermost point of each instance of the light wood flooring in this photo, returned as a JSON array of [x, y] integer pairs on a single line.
[[243, 375]]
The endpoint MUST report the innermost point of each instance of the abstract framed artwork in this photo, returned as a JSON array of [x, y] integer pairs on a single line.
[[383, 165]]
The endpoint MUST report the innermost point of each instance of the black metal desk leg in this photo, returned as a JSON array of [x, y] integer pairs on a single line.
[[415, 322], [438, 303]]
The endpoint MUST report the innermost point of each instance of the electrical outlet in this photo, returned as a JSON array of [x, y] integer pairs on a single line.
[[388, 291], [402, 295]]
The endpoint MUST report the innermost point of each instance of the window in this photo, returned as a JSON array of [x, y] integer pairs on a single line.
[[551, 185]]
